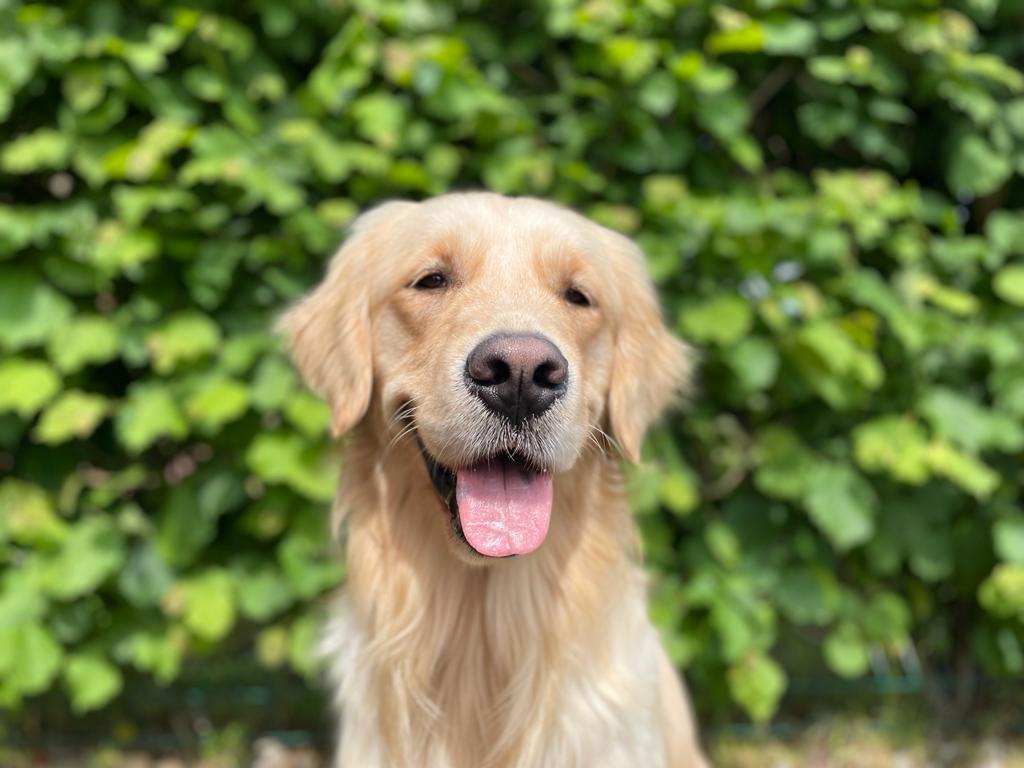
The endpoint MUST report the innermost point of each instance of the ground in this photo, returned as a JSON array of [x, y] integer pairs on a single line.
[[842, 743]]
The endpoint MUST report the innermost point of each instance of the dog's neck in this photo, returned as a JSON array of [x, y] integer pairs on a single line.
[[468, 654]]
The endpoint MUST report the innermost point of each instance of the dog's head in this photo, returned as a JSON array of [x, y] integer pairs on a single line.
[[504, 334]]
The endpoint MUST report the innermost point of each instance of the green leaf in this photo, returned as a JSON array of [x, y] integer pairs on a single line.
[[27, 515], [1008, 538], [30, 310], [794, 37], [725, 115], [87, 340], [720, 320], [141, 159], [122, 250], [842, 504], [157, 653], [755, 362], [746, 39], [189, 515], [633, 57], [659, 94], [26, 386], [893, 444], [307, 566], [953, 301], [1005, 229], [808, 596], [921, 528], [91, 680], [826, 123], [84, 86], [302, 645], [240, 351], [846, 651], [287, 458], [886, 619], [44, 149], [272, 646], [962, 421], [784, 464], [22, 600], [263, 594], [92, 551], [965, 470], [149, 413], [210, 604], [274, 382], [184, 338], [1008, 284], [834, 364], [29, 658], [723, 544], [757, 684], [741, 627], [1002, 593], [146, 576], [218, 401], [309, 414], [73, 414], [380, 117], [678, 490], [976, 168], [133, 204]]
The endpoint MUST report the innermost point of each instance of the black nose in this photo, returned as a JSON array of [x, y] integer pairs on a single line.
[[517, 375]]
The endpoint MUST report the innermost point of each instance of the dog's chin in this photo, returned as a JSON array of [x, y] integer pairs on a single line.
[[497, 508]]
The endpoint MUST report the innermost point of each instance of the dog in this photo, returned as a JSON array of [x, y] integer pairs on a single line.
[[491, 357]]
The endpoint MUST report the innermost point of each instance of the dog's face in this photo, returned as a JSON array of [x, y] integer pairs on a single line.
[[503, 334]]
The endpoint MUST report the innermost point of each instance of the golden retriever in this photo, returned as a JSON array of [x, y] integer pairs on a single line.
[[489, 356]]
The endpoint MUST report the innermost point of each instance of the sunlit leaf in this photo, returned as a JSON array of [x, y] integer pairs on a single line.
[[757, 683], [26, 385], [210, 604], [73, 414], [150, 412], [91, 680]]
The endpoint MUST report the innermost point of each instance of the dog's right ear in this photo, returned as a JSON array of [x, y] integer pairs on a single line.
[[329, 333]]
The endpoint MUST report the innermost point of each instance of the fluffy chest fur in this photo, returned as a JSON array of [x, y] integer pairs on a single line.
[[545, 660]]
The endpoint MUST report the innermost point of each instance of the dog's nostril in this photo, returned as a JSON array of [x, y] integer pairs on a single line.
[[489, 372], [549, 374]]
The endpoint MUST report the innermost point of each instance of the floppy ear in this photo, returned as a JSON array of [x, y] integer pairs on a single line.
[[328, 332], [650, 366]]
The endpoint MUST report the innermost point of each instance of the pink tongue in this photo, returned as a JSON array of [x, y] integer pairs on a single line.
[[504, 508]]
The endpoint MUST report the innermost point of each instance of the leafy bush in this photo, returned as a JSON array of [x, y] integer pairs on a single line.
[[828, 193]]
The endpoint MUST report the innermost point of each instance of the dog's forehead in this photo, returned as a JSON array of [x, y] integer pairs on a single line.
[[509, 231]]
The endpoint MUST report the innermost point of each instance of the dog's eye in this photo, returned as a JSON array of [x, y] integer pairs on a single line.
[[576, 296], [431, 282]]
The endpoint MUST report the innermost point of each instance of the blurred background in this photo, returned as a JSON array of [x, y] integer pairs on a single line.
[[831, 197]]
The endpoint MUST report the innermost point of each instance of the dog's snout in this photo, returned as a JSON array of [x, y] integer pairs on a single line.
[[517, 375]]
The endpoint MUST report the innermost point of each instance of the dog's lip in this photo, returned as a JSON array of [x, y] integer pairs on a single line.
[[442, 477], [443, 480]]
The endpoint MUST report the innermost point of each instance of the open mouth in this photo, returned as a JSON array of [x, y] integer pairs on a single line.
[[500, 506]]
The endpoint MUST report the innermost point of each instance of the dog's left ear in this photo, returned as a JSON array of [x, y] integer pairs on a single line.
[[329, 333], [651, 368]]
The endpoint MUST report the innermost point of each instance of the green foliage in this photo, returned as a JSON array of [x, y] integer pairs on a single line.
[[829, 195]]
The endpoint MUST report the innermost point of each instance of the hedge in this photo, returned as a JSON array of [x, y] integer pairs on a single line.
[[829, 193]]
